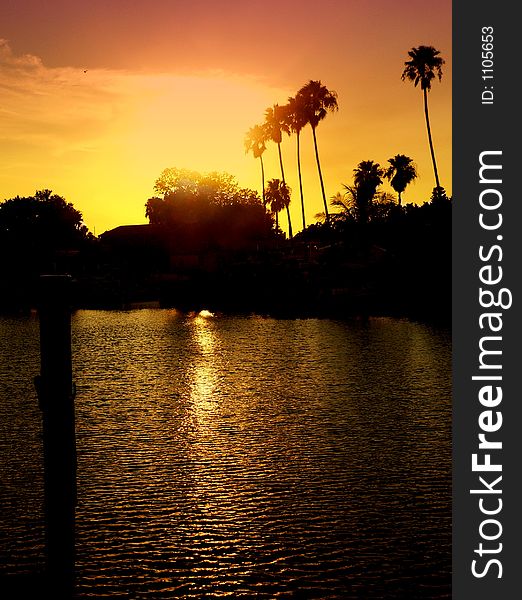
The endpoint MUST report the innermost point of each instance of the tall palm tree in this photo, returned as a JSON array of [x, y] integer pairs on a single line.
[[400, 173], [296, 120], [255, 141], [367, 178], [278, 197], [424, 66], [317, 101], [275, 124]]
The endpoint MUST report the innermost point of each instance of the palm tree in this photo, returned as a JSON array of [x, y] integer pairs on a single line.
[[341, 201], [424, 66], [317, 101], [346, 203], [275, 124], [400, 173], [296, 120], [367, 178], [278, 197], [349, 203], [255, 141]]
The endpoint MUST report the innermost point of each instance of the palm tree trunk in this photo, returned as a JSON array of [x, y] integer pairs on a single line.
[[320, 177], [281, 162], [263, 179], [300, 179], [289, 223], [429, 138], [399, 198], [283, 178]]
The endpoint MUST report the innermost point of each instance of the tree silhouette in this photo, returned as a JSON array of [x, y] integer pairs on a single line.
[[275, 124], [255, 142], [439, 196], [189, 195], [296, 119], [177, 180], [206, 212], [43, 221], [39, 234], [278, 197], [341, 201], [317, 100], [367, 178], [346, 202], [218, 188], [424, 66], [400, 173]]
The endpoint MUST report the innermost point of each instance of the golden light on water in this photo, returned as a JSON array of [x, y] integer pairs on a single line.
[[204, 371]]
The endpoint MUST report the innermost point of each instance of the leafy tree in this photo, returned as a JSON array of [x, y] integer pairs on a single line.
[[217, 188], [45, 220], [192, 191], [206, 207], [177, 180], [38, 234], [439, 196], [255, 142], [317, 100], [156, 210], [278, 198], [424, 65], [400, 173]]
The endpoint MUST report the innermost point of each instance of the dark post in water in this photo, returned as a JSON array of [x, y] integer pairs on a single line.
[[55, 390]]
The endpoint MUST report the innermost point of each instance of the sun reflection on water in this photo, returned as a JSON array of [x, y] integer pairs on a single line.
[[243, 456], [204, 370]]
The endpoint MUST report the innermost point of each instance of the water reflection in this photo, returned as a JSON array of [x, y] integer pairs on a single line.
[[203, 369], [244, 457]]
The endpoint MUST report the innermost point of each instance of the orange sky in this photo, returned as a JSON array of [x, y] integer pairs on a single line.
[[177, 84]]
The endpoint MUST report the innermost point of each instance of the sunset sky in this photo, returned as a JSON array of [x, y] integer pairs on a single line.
[[98, 97]]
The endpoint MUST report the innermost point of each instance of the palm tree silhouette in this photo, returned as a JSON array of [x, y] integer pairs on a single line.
[[296, 120], [346, 202], [255, 141], [367, 178], [400, 173], [317, 101], [275, 124], [278, 197], [424, 66]]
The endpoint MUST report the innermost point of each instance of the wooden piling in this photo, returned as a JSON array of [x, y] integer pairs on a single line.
[[56, 396]]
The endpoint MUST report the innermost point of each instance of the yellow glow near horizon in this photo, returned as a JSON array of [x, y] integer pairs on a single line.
[[101, 138]]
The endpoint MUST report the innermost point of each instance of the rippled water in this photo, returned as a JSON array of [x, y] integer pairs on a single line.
[[240, 457]]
